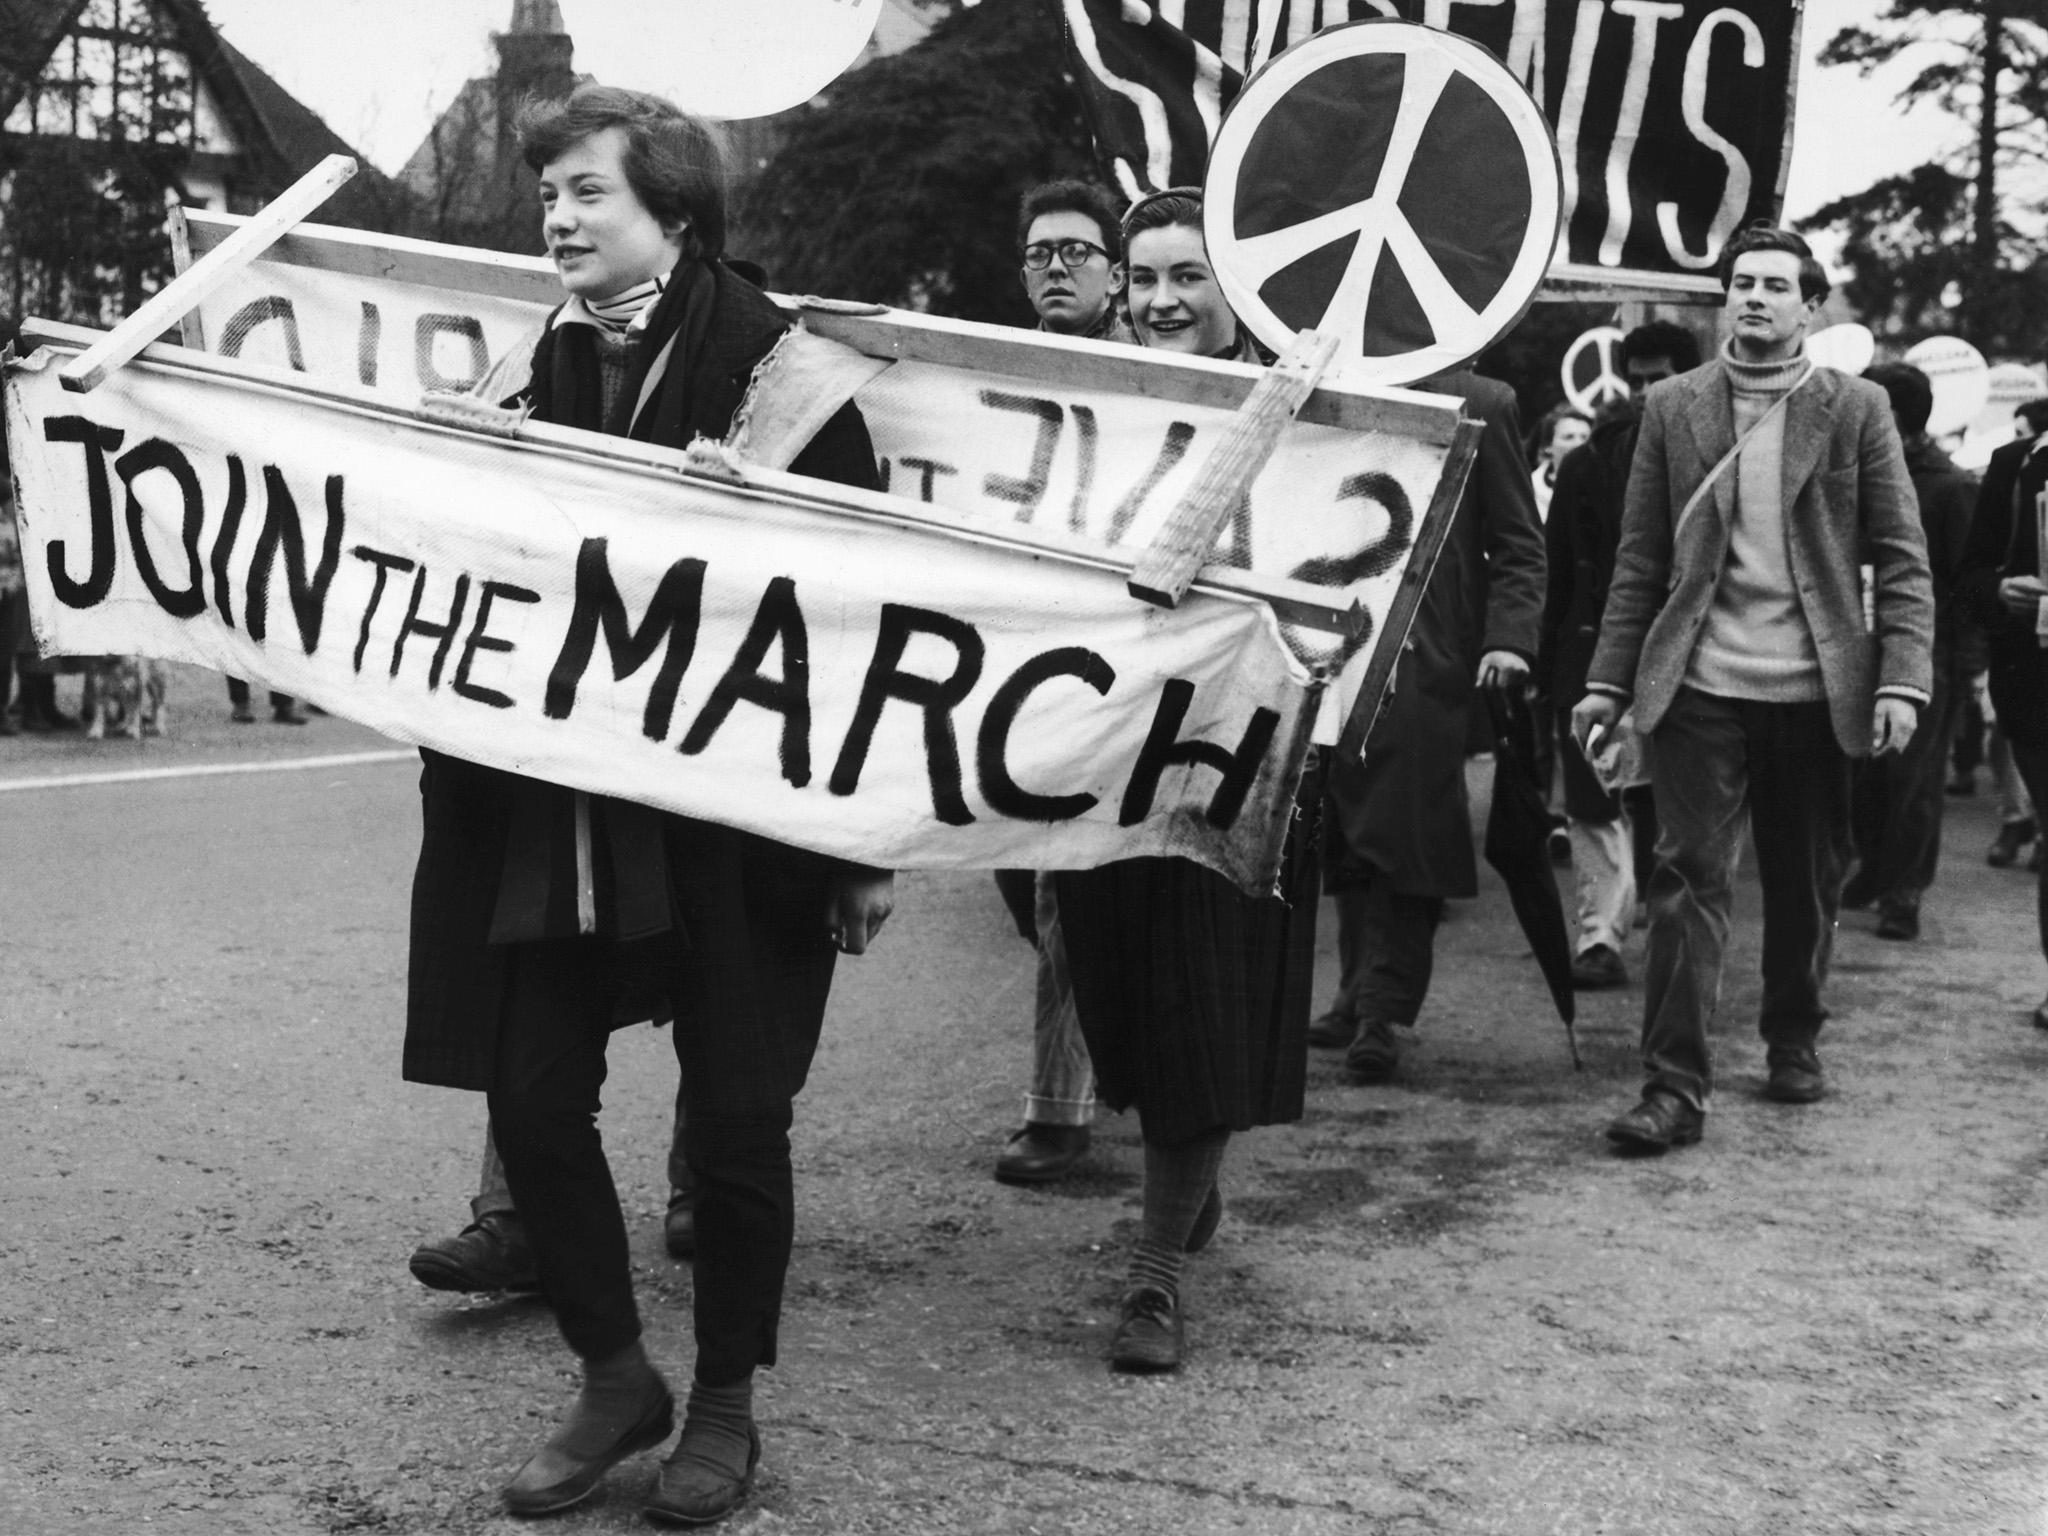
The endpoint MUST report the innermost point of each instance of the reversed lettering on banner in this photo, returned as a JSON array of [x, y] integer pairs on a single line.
[[900, 697]]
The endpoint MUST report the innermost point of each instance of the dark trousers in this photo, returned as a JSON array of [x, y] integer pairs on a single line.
[[1712, 759], [2019, 694], [1897, 805], [238, 695], [747, 1021], [1386, 948]]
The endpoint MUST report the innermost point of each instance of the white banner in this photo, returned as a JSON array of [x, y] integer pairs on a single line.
[[1336, 507], [902, 696]]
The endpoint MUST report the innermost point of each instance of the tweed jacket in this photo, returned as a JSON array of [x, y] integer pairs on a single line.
[[1849, 503]]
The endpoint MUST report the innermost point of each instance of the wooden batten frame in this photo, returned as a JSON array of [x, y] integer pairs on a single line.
[[1293, 602], [1374, 687], [1571, 282], [1182, 547], [876, 331], [183, 293]]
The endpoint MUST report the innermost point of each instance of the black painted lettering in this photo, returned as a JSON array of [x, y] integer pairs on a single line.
[[431, 327], [98, 442], [927, 471], [235, 335], [155, 454], [938, 697], [777, 621], [672, 615], [1171, 451], [1377, 557], [1084, 472], [385, 564], [1164, 749], [224, 541], [1027, 492], [369, 340], [480, 641], [443, 632], [1005, 796], [307, 591]]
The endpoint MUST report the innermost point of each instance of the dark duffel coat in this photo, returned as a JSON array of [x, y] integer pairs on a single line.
[[490, 836], [1403, 810], [1582, 535]]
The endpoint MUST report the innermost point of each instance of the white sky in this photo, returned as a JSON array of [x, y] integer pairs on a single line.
[[380, 70]]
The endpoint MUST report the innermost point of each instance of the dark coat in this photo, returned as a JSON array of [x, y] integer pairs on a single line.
[[1402, 811], [1848, 503], [490, 838], [1948, 501], [2005, 541], [1581, 537]]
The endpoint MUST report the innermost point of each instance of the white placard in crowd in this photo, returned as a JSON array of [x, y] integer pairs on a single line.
[[1960, 377], [1846, 348], [725, 58], [901, 696], [1592, 369]]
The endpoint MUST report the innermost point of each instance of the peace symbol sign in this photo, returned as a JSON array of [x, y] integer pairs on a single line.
[[1592, 371], [1390, 183]]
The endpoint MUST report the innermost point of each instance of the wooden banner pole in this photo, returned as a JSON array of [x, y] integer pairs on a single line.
[[183, 293], [1182, 547]]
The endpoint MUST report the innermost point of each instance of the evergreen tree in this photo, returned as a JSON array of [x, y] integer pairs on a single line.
[[900, 185], [1945, 247]]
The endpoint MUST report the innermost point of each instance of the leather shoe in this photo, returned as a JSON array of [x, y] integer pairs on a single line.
[[1038, 1154], [691, 1491], [554, 1478], [2041, 1016], [490, 1254], [679, 1225], [1150, 1336], [1333, 1031], [1795, 1080], [1374, 1055], [1598, 968], [1898, 920], [2012, 837], [1659, 1123]]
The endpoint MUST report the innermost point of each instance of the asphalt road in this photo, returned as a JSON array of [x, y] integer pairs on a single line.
[[1434, 1307]]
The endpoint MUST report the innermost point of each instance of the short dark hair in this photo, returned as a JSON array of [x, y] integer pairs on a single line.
[[1911, 393], [677, 164], [2034, 413], [1072, 195], [1763, 235], [1665, 339], [1180, 206]]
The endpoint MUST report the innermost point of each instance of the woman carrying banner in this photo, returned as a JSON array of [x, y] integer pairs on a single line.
[[541, 915], [1193, 996]]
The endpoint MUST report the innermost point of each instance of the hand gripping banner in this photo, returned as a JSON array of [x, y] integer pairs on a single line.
[[777, 654]]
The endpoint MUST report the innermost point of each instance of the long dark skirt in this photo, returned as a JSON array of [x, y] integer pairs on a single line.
[[1193, 997]]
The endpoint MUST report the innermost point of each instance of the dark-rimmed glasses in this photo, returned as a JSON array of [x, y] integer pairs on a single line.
[[1072, 253]]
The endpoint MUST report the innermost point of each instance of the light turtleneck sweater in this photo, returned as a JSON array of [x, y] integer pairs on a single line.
[[615, 320], [1756, 643]]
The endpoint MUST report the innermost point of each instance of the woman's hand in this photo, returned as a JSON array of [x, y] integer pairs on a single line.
[[857, 908]]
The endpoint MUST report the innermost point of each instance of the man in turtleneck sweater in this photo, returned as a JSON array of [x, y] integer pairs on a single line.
[[1735, 633]]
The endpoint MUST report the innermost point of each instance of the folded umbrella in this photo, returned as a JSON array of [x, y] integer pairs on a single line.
[[1518, 846]]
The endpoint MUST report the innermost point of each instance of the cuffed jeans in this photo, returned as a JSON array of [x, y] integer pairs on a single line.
[[1062, 1076], [1711, 759]]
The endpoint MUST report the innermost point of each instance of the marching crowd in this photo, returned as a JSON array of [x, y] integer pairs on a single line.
[[1753, 596]]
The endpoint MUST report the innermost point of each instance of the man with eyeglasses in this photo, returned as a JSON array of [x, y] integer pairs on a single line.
[[1072, 256], [1073, 260]]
